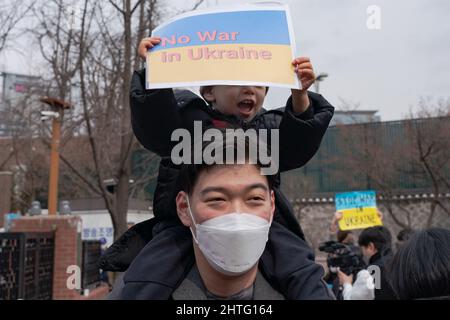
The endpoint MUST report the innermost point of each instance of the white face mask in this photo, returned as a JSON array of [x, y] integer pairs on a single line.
[[232, 243]]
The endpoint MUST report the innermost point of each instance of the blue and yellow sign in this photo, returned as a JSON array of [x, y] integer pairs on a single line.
[[247, 45], [359, 209]]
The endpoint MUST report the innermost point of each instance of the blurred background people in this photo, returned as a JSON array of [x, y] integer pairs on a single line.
[[346, 237], [403, 236], [376, 248], [421, 267]]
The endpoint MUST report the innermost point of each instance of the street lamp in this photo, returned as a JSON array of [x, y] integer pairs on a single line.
[[56, 114], [320, 78]]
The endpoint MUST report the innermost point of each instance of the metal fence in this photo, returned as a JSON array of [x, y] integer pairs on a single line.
[[90, 271], [26, 265], [330, 169]]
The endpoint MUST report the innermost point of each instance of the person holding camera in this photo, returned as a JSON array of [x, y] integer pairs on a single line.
[[342, 256], [370, 283]]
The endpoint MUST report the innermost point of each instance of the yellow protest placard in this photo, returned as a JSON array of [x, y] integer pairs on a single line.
[[359, 219], [358, 209]]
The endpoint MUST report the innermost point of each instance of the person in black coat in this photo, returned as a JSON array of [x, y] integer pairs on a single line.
[[376, 247], [420, 269]]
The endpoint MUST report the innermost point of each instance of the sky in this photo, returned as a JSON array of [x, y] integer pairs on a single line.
[[388, 69]]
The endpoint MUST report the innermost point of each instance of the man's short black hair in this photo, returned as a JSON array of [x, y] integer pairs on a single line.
[[189, 172], [405, 234], [420, 268], [379, 236]]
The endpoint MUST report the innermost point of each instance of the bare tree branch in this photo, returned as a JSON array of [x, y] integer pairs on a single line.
[[10, 16], [117, 7], [79, 175], [197, 4], [135, 6]]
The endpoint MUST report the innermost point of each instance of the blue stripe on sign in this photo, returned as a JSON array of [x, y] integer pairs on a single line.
[[356, 199], [254, 27]]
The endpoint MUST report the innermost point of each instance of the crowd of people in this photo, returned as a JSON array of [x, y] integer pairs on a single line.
[[418, 269]]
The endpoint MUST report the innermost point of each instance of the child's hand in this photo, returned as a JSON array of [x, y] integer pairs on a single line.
[[380, 214], [145, 44], [304, 71], [334, 223]]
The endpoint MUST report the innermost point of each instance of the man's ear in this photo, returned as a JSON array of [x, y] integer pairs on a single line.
[[183, 208], [371, 247], [208, 94], [272, 204]]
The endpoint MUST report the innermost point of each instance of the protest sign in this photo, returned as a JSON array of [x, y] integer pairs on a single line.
[[359, 210], [245, 45]]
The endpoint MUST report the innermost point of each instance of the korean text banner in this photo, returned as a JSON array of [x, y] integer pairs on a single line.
[[359, 210], [246, 45]]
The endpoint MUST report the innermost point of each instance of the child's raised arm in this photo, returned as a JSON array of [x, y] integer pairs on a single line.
[[305, 120], [154, 113], [305, 73]]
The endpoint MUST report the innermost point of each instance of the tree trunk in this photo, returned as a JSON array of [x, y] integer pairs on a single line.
[[124, 172], [121, 204]]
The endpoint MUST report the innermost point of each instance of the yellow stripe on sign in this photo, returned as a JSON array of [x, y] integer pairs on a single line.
[[230, 62], [359, 218]]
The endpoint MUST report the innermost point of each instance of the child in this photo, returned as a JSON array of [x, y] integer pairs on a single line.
[[302, 124]]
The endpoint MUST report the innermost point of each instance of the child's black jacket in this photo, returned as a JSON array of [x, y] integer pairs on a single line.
[[155, 114]]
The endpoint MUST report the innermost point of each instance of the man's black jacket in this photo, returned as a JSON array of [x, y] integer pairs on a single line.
[[163, 264], [381, 259]]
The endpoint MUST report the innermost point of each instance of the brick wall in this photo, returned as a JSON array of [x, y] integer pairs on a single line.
[[67, 250]]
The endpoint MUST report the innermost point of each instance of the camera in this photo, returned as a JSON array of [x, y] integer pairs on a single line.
[[347, 258]]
